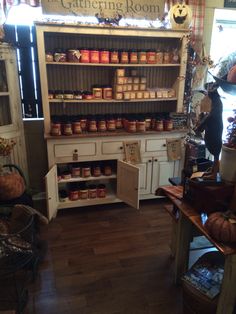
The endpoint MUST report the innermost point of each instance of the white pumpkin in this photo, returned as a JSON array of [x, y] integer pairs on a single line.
[[180, 16]]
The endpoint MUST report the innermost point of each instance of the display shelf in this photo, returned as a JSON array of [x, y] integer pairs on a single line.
[[111, 100], [117, 65], [91, 178]]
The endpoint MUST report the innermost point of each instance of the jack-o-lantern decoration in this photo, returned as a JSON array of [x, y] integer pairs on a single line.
[[180, 16]]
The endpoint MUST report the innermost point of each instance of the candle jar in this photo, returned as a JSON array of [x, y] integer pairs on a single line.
[[83, 124], [68, 94], [102, 126], [111, 124], [131, 126], [49, 56], [86, 171], [133, 56], [107, 170], [141, 126], [73, 55], [104, 56], [159, 125], [78, 95], [151, 56], [59, 94], [92, 191], [168, 125], [66, 175], [59, 55], [107, 92], [76, 127], [83, 192], [97, 170], [75, 171], [85, 55], [159, 57], [142, 57], [94, 56], [97, 92], [119, 123], [87, 95], [55, 128], [92, 125], [67, 128], [74, 192], [101, 190], [114, 56], [124, 56]]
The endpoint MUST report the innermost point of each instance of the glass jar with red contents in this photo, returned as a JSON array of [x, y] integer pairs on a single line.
[[151, 56], [133, 56], [76, 127], [140, 125], [114, 56], [104, 56], [75, 171], [119, 122], [67, 127], [102, 125], [83, 123], [168, 125], [92, 191], [159, 125], [101, 190], [96, 170], [142, 56], [124, 56], [94, 56], [111, 124], [86, 171], [92, 124], [83, 191], [55, 126], [73, 192], [85, 55], [131, 125], [87, 95]]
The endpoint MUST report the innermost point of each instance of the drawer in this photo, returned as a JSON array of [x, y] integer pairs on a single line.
[[155, 145], [112, 148], [82, 149]]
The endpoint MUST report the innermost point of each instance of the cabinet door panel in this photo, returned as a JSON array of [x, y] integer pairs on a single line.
[[51, 192], [128, 183], [166, 171], [145, 176]]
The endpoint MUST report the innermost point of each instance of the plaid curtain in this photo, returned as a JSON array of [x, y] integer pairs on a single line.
[[198, 11]]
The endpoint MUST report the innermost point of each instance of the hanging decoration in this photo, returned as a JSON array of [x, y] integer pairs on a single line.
[[180, 16]]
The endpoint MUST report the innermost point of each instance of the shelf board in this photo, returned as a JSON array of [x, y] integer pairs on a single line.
[[91, 178], [4, 94], [116, 65], [111, 101], [110, 198]]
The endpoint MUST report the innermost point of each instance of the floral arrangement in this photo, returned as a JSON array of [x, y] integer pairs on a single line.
[[6, 146], [231, 132]]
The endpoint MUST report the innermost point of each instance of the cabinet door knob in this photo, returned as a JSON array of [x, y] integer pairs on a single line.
[[76, 151], [149, 160], [155, 159], [121, 147], [164, 145]]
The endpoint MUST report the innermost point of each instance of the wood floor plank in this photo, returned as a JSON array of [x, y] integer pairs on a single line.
[[109, 259]]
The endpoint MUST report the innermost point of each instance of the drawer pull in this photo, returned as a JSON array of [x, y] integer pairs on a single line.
[[121, 147], [75, 156], [164, 145], [149, 160]]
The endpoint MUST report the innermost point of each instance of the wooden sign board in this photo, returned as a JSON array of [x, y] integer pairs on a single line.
[[230, 4], [137, 9]]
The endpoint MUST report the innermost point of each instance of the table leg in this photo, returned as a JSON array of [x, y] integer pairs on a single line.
[[184, 235], [227, 296]]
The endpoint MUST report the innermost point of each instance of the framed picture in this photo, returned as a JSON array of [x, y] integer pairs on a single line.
[[230, 4]]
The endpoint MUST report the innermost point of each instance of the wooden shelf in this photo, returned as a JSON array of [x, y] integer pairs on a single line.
[[110, 101], [91, 178], [111, 197], [116, 65]]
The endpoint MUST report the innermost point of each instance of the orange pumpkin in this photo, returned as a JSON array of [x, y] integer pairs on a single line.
[[12, 185], [222, 226]]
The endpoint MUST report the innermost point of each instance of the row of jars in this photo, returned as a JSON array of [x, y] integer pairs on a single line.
[[131, 123], [81, 191], [115, 56], [86, 170]]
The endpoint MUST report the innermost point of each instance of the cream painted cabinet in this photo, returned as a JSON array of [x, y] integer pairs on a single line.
[[130, 183]]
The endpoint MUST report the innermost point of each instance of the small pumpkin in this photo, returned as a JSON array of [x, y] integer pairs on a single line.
[[12, 185], [222, 226], [180, 16]]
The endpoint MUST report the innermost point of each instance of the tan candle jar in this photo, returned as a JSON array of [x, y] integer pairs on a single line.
[[129, 87], [129, 80], [146, 95], [140, 126], [107, 92], [75, 171], [118, 88], [86, 172], [83, 194], [120, 72], [152, 94], [142, 86], [132, 95], [127, 95], [76, 128], [136, 80], [118, 96], [135, 87], [92, 191], [97, 92], [159, 125], [139, 95], [159, 57]]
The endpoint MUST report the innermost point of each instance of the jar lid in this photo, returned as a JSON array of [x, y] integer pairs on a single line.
[[92, 186], [101, 186]]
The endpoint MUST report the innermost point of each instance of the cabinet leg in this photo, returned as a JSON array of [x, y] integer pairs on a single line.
[[227, 298]]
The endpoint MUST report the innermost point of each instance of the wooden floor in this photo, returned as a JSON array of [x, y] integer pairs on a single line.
[[110, 259]]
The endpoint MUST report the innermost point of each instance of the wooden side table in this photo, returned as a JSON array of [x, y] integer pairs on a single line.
[[187, 218]]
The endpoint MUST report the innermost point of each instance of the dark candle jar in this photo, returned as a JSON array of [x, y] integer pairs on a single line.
[[87, 95], [97, 170], [73, 55], [92, 191], [101, 190], [55, 127], [83, 124], [78, 95]]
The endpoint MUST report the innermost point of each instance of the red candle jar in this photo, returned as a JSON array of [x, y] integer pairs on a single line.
[[56, 129], [85, 55], [133, 56], [159, 126], [124, 56], [151, 56], [114, 56], [83, 124], [94, 56], [168, 125], [76, 128], [74, 195], [104, 56], [101, 190], [86, 171], [92, 191]]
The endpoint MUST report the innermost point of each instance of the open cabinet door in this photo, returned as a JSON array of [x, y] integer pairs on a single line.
[[128, 183], [51, 192]]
